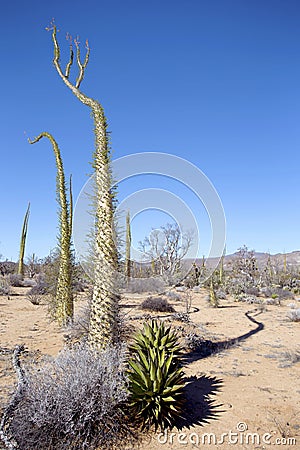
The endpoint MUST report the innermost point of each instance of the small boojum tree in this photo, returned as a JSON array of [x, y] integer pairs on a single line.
[[128, 245], [64, 294], [23, 242]]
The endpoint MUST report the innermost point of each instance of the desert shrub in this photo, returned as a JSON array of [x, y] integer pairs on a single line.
[[281, 293], [5, 288], [221, 294], [294, 315], [272, 301], [38, 290], [265, 291], [250, 299], [290, 357], [157, 304], [252, 290], [78, 329], [140, 285], [182, 317], [29, 282], [41, 287], [72, 402], [174, 296], [193, 341], [7, 267], [196, 343], [156, 379], [35, 299], [276, 292], [15, 280]]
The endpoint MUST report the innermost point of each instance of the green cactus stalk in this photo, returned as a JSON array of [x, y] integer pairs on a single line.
[[23, 242], [64, 295], [221, 269], [284, 263], [104, 309], [128, 246], [70, 206], [213, 299]]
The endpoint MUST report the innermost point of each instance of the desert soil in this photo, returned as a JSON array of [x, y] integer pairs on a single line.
[[249, 385]]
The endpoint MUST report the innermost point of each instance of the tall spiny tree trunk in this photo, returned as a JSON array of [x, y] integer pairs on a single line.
[[23, 242], [64, 294], [128, 245], [104, 309]]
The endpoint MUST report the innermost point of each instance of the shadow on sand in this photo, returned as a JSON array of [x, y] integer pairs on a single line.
[[200, 408], [207, 347]]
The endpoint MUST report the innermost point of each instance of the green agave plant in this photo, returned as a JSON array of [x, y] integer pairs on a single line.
[[155, 376]]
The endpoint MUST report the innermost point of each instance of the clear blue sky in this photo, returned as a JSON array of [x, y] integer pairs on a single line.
[[215, 81]]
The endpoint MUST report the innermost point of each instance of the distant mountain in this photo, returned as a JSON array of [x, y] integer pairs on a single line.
[[292, 259]]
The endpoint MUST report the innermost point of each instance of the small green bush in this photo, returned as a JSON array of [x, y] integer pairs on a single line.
[[156, 380]]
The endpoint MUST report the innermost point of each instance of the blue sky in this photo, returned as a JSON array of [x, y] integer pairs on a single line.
[[214, 82]]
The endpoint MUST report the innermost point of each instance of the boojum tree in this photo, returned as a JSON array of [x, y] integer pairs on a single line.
[[64, 307], [104, 308], [128, 246], [23, 242]]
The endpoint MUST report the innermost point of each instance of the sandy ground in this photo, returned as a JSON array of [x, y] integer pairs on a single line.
[[246, 395]]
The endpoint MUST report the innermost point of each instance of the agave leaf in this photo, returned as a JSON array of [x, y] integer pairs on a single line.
[[169, 399], [143, 359]]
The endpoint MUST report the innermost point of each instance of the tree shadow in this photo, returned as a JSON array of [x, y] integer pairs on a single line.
[[207, 347], [200, 408], [228, 306]]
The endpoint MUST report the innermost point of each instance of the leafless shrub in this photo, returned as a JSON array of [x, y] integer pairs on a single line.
[[203, 347], [35, 299], [290, 357], [41, 286], [7, 267], [252, 290], [294, 315], [187, 298], [36, 293], [272, 301], [78, 329], [157, 304], [73, 402], [140, 285], [250, 299], [174, 296], [5, 288], [276, 292], [182, 317], [29, 283], [221, 294], [283, 293], [15, 280]]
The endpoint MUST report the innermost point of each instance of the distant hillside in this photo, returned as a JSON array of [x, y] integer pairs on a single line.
[[292, 259]]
